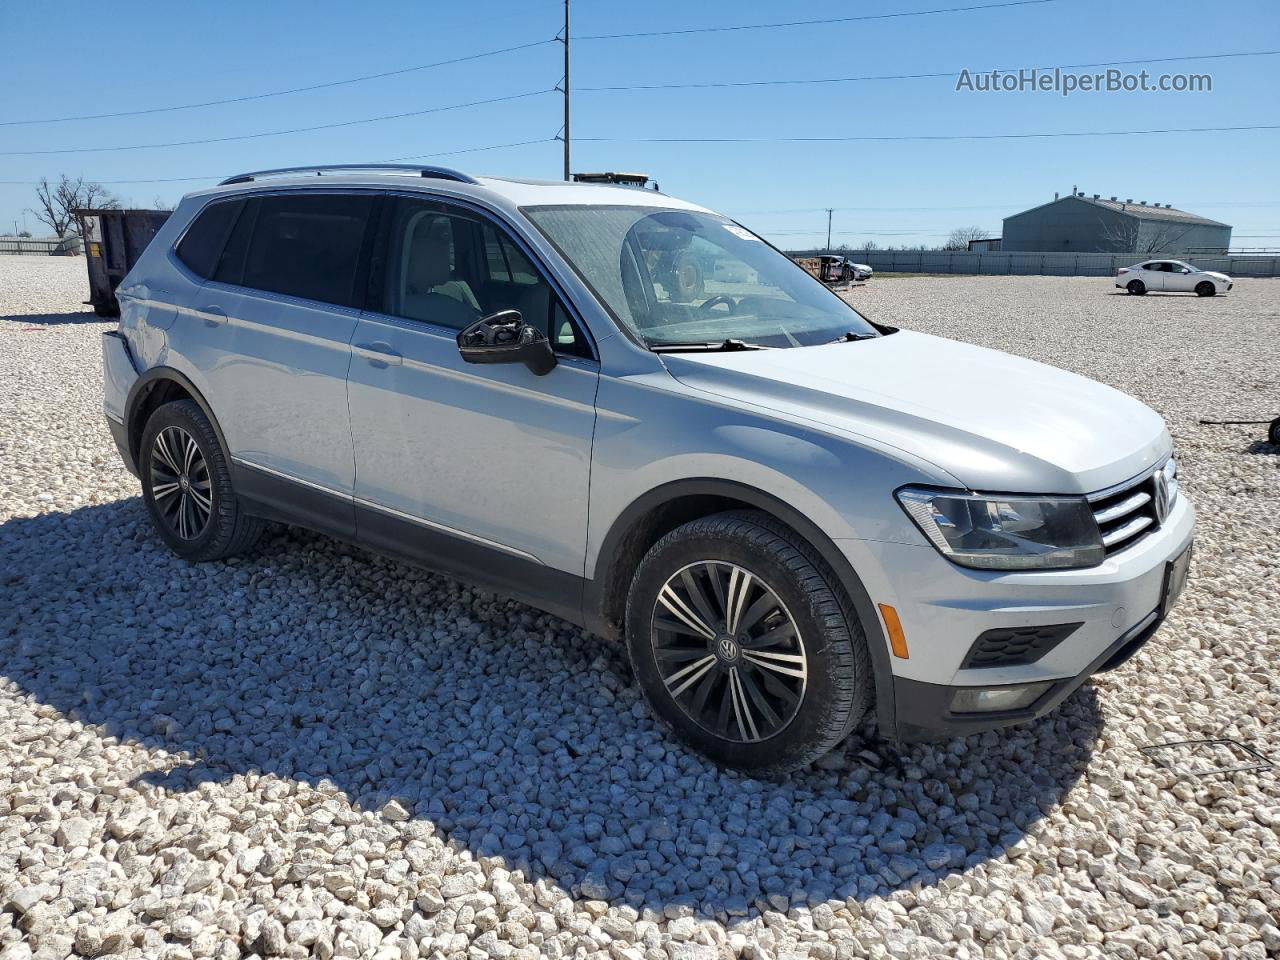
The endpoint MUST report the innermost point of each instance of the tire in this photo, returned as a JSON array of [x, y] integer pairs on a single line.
[[186, 484], [1205, 289], [684, 281], [818, 682], [1273, 432], [1136, 287]]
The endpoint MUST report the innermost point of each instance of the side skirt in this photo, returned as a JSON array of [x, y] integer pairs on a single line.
[[289, 501]]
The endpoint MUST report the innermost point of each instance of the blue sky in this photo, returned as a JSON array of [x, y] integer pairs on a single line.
[[139, 55]]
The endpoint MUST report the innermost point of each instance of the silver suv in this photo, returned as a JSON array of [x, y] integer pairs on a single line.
[[636, 414]]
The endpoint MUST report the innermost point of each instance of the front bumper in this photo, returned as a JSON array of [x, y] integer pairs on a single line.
[[943, 610], [924, 709]]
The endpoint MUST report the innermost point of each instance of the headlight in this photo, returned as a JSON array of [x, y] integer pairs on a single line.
[[1006, 533]]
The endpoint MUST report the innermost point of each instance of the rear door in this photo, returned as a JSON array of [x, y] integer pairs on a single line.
[[280, 313], [492, 458], [1153, 275]]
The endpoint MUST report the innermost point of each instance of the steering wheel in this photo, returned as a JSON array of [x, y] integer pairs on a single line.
[[718, 299]]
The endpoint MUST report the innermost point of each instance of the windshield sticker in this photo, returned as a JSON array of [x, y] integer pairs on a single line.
[[741, 234]]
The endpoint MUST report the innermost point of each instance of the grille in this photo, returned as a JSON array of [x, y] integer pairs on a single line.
[[1010, 646], [1128, 512]]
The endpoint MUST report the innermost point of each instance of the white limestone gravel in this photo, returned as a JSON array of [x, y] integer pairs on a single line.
[[316, 751]]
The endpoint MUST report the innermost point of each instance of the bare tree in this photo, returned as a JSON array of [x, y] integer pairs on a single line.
[[1126, 237], [960, 237], [58, 203]]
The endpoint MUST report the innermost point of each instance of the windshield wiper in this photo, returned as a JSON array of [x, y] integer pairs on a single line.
[[850, 337], [705, 346]]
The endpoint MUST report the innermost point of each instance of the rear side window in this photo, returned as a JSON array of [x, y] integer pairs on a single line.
[[202, 244], [303, 245]]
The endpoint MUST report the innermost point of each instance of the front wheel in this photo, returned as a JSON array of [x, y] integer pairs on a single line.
[[1205, 289], [186, 484], [744, 644], [1136, 287]]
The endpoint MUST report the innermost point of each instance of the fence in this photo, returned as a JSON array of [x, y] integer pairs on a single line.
[[1047, 264], [43, 247]]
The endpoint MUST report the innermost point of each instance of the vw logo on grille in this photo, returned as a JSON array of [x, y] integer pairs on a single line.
[[1161, 495], [727, 648]]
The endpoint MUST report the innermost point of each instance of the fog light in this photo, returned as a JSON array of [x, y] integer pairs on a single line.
[[993, 699]]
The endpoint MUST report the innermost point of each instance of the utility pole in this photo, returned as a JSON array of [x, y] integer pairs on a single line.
[[830, 210], [565, 40]]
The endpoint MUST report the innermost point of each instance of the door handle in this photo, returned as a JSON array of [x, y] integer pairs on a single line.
[[380, 353], [214, 316]]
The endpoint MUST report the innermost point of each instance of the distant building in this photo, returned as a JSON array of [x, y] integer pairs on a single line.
[[982, 246], [1080, 224]]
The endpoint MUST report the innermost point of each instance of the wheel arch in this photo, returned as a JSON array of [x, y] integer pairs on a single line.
[[158, 386], [652, 515]]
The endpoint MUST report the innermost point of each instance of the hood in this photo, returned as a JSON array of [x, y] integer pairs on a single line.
[[990, 420], [1215, 274]]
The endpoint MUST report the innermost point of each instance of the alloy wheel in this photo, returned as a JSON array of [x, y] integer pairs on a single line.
[[180, 484], [729, 651]]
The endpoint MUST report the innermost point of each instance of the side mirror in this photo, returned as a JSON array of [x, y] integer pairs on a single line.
[[1186, 269], [504, 337]]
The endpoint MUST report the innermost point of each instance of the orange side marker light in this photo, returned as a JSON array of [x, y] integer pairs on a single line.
[[897, 639]]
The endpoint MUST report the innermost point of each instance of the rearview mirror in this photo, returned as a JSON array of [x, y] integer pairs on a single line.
[[504, 337]]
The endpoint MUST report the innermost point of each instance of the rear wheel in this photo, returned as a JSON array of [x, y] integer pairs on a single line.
[[1205, 289], [186, 484], [744, 644], [1136, 287]]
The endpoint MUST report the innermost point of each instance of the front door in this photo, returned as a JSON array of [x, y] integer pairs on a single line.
[[1178, 277], [488, 462]]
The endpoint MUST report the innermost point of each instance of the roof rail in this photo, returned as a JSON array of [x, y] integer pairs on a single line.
[[439, 173]]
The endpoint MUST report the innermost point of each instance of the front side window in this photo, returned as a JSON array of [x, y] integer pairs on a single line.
[[303, 245], [448, 266], [680, 277]]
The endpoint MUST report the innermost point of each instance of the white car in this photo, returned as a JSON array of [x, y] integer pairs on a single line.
[[861, 271], [1171, 276]]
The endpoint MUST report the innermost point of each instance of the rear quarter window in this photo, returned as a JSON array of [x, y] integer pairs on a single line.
[[202, 244]]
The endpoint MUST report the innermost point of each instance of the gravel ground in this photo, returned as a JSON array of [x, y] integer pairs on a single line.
[[313, 750]]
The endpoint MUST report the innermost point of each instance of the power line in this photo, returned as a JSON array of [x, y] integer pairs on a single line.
[[824, 21], [988, 206], [452, 153], [280, 93], [223, 176], [279, 133], [930, 137], [716, 84]]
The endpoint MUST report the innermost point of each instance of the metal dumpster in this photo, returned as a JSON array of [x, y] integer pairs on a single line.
[[114, 239]]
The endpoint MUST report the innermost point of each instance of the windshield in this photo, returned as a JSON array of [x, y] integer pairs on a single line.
[[681, 277]]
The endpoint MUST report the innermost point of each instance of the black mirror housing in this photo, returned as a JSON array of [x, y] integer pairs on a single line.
[[504, 337]]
